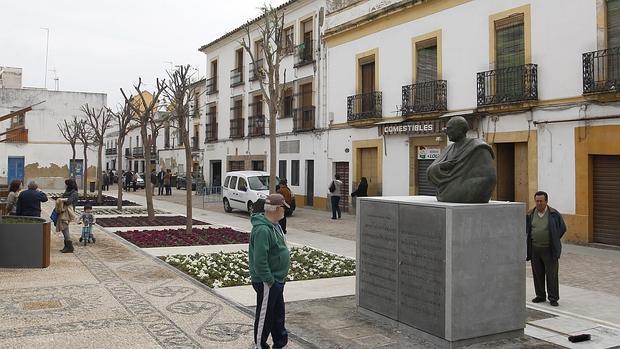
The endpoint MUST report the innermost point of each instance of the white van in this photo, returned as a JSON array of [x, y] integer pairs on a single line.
[[242, 189]]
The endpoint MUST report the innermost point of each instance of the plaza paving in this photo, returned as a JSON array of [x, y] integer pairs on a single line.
[[114, 295]]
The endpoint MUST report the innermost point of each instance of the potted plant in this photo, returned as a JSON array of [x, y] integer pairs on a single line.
[[24, 242]]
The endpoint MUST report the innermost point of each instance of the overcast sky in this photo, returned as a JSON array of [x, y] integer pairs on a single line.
[[100, 46]]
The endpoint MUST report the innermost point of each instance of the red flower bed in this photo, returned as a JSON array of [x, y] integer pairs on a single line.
[[144, 221], [179, 237]]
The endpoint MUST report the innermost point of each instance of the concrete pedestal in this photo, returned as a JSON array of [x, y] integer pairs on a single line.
[[25, 245], [452, 272]]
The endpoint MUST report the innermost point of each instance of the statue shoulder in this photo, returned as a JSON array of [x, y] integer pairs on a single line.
[[477, 143]]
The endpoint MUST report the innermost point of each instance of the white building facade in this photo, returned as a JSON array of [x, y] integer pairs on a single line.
[[38, 151], [536, 79]]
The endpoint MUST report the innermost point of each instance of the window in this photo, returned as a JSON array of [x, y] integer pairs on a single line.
[[239, 58], [242, 185], [259, 182], [258, 165], [426, 62], [282, 169], [613, 23], [287, 105], [509, 52], [295, 172], [214, 69], [226, 181], [233, 182], [288, 40]]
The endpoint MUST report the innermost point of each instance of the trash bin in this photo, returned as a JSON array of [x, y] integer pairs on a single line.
[[173, 180], [92, 186]]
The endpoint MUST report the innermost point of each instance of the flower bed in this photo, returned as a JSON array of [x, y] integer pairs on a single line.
[[145, 221], [105, 202], [231, 269], [179, 237], [89, 197], [125, 210]]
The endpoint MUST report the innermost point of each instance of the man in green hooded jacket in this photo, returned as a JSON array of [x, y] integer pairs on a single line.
[[269, 264]]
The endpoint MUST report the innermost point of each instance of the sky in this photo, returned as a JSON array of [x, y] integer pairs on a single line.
[[101, 46]]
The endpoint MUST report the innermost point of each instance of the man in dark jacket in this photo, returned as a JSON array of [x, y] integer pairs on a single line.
[[545, 227], [29, 201]]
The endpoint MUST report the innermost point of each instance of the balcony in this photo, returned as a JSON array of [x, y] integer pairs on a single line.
[[16, 135], [256, 70], [211, 85], [304, 53], [303, 119], [508, 85], [138, 152], [110, 151], [211, 132], [195, 144], [256, 125], [425, 97], [236, 77], [127, 152], [237, 128], [601, 71], [365, 106]]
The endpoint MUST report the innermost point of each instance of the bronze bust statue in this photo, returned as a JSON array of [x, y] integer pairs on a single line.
[[464, 172]]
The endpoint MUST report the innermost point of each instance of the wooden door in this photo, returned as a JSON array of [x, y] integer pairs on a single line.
[[606, 201], [368, 169]]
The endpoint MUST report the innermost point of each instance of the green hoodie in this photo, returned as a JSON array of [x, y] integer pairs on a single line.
[[268, 254]]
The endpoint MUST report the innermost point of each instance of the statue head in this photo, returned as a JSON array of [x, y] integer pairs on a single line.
[[457, 128]]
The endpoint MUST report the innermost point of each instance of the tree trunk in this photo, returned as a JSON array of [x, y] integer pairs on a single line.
[[272, 148], [99, 175], [146, 144], [85, 172], [119, 163], [188, 183], [72, 165]]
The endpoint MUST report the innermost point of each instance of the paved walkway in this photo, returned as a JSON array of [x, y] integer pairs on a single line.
[[112, 295]]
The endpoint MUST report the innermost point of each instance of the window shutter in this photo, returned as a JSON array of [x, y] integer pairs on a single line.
[[613, 23], [426, 69], [509, 42]]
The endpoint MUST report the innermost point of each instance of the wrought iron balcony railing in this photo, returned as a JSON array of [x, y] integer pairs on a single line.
[[601, 71], [110, 151], [236, 77], [303, 119], [304, 53], [425, 97], [138, 152], [236, 128], [256, 70], [508, 85], [256, 125], [211, 132], [212, 85], [364, 106]]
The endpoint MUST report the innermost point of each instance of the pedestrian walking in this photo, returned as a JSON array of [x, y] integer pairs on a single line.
[[269, 261], [335, 190], [285, 191], [160, 182], [29, 201], [153, 180], [128, 179], [65, 208], [168, 182], [11, 199], [545, 227], [106, 181], [134, 181]]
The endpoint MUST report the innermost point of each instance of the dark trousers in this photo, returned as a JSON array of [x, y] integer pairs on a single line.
[[545, 268], [335, 207], [282, 223], [269, 318], [160, 191], [127, 185], [168, 189]]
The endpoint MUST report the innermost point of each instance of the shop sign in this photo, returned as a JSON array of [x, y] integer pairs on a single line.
[[413, 128], [428, 153]]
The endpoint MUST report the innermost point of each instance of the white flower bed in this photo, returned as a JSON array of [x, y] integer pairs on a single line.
[[231, 269], [125, 210]]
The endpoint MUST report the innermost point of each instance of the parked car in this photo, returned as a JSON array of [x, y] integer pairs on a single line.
[[181, 181], [242, 189], [140, 181]]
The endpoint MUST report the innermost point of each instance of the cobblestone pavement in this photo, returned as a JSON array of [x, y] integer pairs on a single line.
[[112, 295]]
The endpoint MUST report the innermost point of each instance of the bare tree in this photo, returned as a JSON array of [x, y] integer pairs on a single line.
[[124, 121], [98, 121], [149, 123], [178, 94], [270, 45], [85, 136], [69, 131]]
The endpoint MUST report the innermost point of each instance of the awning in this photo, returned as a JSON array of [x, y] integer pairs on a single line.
[[463, 113], [396, 120]]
